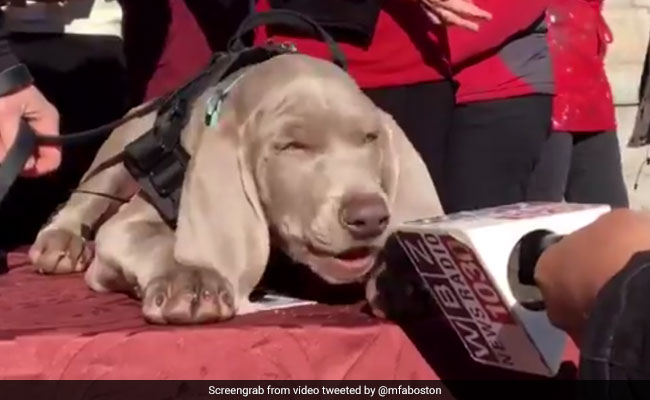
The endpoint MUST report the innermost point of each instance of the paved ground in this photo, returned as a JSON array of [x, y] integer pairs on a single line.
[[629, 21], [633, 159]]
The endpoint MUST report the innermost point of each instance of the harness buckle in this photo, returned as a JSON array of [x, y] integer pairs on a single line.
[[159, 171]]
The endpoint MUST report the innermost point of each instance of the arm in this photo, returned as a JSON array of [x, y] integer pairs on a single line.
[[572, 273], [508, 18]]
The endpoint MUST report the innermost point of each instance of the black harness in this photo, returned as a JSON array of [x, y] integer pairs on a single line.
[[157, 160]]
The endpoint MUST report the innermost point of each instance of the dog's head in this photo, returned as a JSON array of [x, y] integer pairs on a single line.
[[320, 167], [322, 161]]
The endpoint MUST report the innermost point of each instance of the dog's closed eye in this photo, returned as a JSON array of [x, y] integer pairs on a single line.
[[293, 145], [370, 137]]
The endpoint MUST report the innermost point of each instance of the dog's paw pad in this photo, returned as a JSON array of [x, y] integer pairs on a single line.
[[188, 295], [59, 251]]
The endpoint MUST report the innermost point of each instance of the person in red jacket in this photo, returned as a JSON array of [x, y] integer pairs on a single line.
[[581, 160], [504, 99]]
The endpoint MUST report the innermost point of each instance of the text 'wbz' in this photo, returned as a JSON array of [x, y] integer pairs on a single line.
[[369, 391]]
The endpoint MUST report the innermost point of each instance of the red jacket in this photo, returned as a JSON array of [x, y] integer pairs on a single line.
[[406, 48], [578, 37], [508, 57]]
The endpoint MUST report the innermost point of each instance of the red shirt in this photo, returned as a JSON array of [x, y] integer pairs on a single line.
[[507, 57], [578, 38], [406, 48]]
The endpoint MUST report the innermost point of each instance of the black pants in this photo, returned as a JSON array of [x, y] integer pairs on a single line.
[[581, 168], [424, 112], [85, 78], [492, 151]]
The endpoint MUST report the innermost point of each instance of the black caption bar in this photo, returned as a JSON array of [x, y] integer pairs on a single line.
[[542, 389], [231, 390]]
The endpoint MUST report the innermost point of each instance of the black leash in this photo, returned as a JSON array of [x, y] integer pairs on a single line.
[[13, 164]]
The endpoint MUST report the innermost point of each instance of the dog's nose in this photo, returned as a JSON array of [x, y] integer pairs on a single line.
[[365, 216]]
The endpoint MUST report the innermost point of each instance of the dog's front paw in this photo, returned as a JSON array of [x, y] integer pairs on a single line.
[[187, 295], [59, 251]]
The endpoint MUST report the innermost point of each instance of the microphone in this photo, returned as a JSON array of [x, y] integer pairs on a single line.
[[479, 267], [531, 248]]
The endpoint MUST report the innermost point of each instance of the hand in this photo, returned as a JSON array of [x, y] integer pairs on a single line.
[[455, 12], [42, 116], [571, 272]]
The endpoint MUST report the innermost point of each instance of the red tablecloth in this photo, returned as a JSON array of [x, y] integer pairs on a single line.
[[56, 328]]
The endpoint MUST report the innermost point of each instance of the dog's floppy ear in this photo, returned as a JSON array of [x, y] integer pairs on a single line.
[[411, 191], [221, 224]]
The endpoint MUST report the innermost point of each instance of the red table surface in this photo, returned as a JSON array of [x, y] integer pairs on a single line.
[[56, 328]]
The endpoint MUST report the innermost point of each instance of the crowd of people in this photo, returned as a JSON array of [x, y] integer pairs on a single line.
[[506, 101]]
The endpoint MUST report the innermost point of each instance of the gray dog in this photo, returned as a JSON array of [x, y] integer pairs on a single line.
[[299, 158]]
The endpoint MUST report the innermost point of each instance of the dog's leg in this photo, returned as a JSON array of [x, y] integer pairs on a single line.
[[60, 246], [134, 253]]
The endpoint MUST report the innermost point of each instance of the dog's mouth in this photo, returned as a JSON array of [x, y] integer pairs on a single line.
[[345, 266], [356, 258]]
